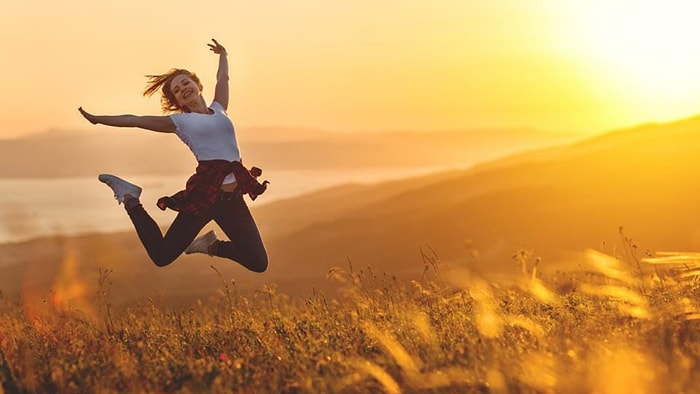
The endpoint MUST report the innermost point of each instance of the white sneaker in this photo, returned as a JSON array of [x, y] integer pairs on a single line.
[[202, 244], [120, 187]]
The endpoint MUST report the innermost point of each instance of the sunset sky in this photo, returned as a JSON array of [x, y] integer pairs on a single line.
[[570, 66]]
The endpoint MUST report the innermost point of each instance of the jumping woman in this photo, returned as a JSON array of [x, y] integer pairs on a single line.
[[214, 192]]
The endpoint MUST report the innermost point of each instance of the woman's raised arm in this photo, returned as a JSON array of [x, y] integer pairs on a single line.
[[221, 90], [162, 124]]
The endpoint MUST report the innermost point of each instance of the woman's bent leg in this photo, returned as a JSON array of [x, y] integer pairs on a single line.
[[245, 245], [164, 250]]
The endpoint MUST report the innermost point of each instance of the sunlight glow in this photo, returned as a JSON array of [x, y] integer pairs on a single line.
[[647, 48]]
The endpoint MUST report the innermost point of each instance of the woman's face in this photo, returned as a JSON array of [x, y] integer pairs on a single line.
[[185, 90]]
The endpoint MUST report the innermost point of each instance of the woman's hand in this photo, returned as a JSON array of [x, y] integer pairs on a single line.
[[217, 48], [90, 117]]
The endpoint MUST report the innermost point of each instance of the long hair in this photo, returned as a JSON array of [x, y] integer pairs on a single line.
[[162, 82]]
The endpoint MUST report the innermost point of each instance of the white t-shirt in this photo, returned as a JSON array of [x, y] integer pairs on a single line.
[[209, 136]]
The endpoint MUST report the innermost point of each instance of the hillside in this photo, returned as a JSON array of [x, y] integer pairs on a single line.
[[555, 202]]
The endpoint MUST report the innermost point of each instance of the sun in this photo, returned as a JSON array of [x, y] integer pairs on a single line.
[[648, 49]]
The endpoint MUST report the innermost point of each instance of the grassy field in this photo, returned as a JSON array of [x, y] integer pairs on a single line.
[[618, 325]]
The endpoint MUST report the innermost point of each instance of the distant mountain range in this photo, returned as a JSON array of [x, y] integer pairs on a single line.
[[132, 151], [554, 202]]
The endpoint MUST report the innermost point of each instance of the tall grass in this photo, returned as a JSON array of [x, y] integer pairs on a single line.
[[621, 324]]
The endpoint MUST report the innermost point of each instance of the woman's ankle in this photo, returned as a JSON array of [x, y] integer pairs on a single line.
[[131, 202]]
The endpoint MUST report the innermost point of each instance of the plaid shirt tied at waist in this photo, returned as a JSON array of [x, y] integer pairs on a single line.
[[204, 187]]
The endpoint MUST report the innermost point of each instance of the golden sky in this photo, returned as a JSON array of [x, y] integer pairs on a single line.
[[365, 65]]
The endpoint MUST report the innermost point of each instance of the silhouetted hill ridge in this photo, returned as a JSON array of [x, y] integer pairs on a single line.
[[556, 202], [578, 196]]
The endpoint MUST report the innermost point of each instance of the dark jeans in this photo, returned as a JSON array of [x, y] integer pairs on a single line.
[[232, 215]]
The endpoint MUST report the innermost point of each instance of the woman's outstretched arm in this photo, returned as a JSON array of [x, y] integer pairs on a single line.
[[162, 124], [221, 90]]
